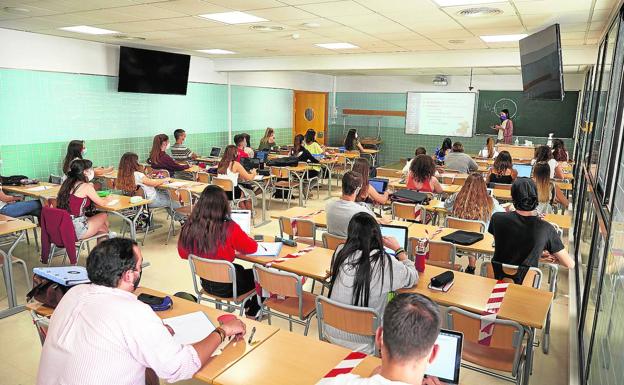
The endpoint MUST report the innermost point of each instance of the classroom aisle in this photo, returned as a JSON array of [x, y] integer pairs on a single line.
[[19, 356]]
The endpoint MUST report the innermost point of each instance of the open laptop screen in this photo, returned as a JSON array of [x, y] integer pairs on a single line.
[[215, 152], [379, 184], [524, 170]]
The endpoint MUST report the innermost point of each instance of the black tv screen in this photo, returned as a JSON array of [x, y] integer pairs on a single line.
[[153, 72], [542, 69]]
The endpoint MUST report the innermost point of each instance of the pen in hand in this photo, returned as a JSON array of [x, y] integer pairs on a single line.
[[253, 331], [265, 249]]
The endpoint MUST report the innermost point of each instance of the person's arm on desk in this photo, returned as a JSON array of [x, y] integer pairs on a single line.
[[206, 347], [8, 198]]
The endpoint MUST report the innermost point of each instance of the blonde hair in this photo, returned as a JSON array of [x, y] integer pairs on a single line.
[[541, 175], [472, 201]]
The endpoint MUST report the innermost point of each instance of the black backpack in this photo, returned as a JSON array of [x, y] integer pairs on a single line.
[[289, 161], [13, 180], [410, 196]]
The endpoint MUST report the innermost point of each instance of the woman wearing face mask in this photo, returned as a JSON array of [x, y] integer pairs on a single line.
[[76, 149], [505, 128], [160, 160], [76, 194]]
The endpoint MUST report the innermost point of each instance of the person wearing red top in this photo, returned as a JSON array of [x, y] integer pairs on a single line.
[[241, 143], [210, 233], [160, 160], [421, 175]]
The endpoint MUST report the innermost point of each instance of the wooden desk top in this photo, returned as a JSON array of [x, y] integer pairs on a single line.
[[123, 204], [562, 220], [51, 190], [10, 225], [320, 219], [522, 304], [417, 230], [564, 186], [369, 151], [289, 358]]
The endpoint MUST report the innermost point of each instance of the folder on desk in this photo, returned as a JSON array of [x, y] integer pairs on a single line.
[[64, 275], [268, 249]]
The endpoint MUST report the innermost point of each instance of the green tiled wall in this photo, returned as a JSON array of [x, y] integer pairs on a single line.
[[40, 112], [396, 144]]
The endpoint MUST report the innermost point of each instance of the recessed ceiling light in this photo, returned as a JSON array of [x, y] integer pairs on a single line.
[[480, 11], [453, 3], [126, 37], [502, 38], [235, 17], [216, 51], [15, 10], [311, 25], [337, 45], [88, 30], [267, 28]]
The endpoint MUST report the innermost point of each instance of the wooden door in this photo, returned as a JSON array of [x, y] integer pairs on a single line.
[[310, 111]]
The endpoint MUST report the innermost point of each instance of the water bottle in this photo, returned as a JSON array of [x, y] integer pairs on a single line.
[[550, 140], [422, 254], [517, 143]]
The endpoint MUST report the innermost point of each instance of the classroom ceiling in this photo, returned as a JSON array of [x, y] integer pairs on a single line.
[[576, 69], [375, 26]]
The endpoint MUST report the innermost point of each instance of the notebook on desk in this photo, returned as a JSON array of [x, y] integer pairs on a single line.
[[243, 219], [448, 361]]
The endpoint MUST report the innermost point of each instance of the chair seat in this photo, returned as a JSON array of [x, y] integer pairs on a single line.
[[491, 358], [184, 210], [445, 265], [290, 305], [286, 184], [240, 298]]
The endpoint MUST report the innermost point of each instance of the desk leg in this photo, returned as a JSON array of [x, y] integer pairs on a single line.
[[131, 222], [330, 169], [7, 272], [263, 188]]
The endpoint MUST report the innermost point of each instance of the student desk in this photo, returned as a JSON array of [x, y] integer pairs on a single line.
[[124, 204], [232, 353], [299, 172], [9, 225], [372, 153], [562, 220], [329, 163], [263, 184], [49, 190], [289, 358], [193, 187], [319, 219]]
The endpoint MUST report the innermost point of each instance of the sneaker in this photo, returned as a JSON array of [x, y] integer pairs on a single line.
[[470, 270]]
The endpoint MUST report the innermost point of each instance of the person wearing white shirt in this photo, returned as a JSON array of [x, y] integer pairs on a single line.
[[101, 334], [411, 324], [408, 164], [544, 154]]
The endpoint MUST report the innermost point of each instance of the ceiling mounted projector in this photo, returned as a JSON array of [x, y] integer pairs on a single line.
[[440, 80]]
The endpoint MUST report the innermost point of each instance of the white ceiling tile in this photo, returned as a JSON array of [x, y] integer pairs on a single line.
[[398, 6], [194, 22], [336, 8], [144, 12], [572, 35], [600, 15], [246, 5], [141, 26], [322, 22], [606, 4], [30, 24], [105, 16], [80, 5], [572, 42], [497, 31], [494, 23], [507, 8], [160, 35], [409, 35], [411, 18], [191, 7], [552, 6], [283, 13], [33, 12], [436, 31], [574, 27]]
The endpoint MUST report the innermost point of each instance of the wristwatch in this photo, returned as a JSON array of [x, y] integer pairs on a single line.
[[221, 333]]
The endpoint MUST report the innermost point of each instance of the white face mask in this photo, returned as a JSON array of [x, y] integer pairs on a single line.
[[356, 135], [84, 151], [90, 174]]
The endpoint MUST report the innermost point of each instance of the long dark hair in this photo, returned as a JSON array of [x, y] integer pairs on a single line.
[[75, 175], [74, 150], [363, 234], [350, 138], [229, 155], [543, 154], [447, 144], [559, 151], [297, 145], [502, 163], [310, 136], [422, 168], [128, 164], [154, 156], [361, 166], [205, 231]]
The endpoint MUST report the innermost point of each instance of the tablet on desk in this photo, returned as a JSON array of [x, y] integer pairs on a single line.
[[379, 184], [524, 170], [448, 361], [243, 219], [398, 232]]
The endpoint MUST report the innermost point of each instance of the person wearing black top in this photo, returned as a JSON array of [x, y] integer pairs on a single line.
[[304, 155], [521, 237]]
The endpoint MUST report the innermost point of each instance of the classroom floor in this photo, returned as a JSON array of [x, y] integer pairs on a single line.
[[20, 346]]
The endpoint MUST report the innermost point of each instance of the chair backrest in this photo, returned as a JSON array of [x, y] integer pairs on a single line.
[[502, 186], [139, 191], [447, 179], [51, 219], [280, 172], [183, 196], [203, 177], [215, 270], [362, 321], [225, 183], [388, 173], [459, 181], [505, 348], [533, 277], [441, 253], [404, 210], [148, 170], [305, 227], [331, 241], [465, 224], [280, 283], [56, 179], [110, 183]]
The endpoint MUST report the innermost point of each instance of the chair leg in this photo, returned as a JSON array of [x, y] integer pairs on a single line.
[[36, 236], [26, 273], [290, 322], [307, 326]]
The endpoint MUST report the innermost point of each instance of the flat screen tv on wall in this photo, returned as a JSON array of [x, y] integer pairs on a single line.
[[152, 72], [542, 69]]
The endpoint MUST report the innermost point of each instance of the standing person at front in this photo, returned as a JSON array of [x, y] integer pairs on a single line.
[[101, 334], [505, 128], [210, 233], [363, 274], [340, 212], [160, 160]]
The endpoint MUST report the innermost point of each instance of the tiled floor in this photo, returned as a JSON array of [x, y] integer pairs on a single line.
[[20, 348]]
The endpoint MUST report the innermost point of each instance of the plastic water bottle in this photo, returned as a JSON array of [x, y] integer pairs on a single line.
[[550, 140], [516, 143], [422, 254]]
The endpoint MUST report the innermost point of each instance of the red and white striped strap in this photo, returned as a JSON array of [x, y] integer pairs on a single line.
[[293, 221], [345, 366], [488, 317], [289, 256]]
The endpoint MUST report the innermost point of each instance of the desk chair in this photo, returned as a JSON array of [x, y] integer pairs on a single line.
[[56, 179], [310, 183], [361, 321], [41, 324], [340, 168], [331, 241], [217, 271], [35, 221], [533, 277], [506, 352], [228, 186], [15, 260], [181, 213], [408, 212], [287, 296], [305, 230], [203, 177], [502, 186], [441, 253], [282, 180]]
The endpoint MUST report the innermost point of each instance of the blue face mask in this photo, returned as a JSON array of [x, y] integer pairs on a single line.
[[503, 117]]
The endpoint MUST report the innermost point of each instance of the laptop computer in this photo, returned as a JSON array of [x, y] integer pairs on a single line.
[[262, 156], [398, 232], [524, 170], [379, 184], [215, 152], [448, 361], [243, 219]]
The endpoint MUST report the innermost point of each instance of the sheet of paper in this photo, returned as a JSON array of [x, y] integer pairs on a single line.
[[268, 249], [113, 202], [190, 328], [39, 188], [258, 177], [177, 184], [440, 204]]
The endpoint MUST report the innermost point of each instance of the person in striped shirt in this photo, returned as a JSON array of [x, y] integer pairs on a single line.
[[179, 152]]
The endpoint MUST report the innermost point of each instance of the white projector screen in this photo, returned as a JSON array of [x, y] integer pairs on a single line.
[[440, 113]]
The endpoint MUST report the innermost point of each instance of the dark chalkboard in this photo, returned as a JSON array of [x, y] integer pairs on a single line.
[[530, 117]]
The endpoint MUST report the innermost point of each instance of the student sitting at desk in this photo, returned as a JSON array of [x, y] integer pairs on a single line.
[[407, 342], [421, 175], [441, 153], [160, 160], [14, 207], [473, 202], [352, 143], [459, 161], [560, 154], [502, 170], [230, 168], [101, 334], [340, 212], [521, 237], [419, 151], [248, 150], [130, 177], [363, 274], [76, 150], [210, 233], [368, 194], [267, 143], [179, 152], [303, 155], [241, 144], [76, 195], [488, 151], [548, 193], [544, 154]]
